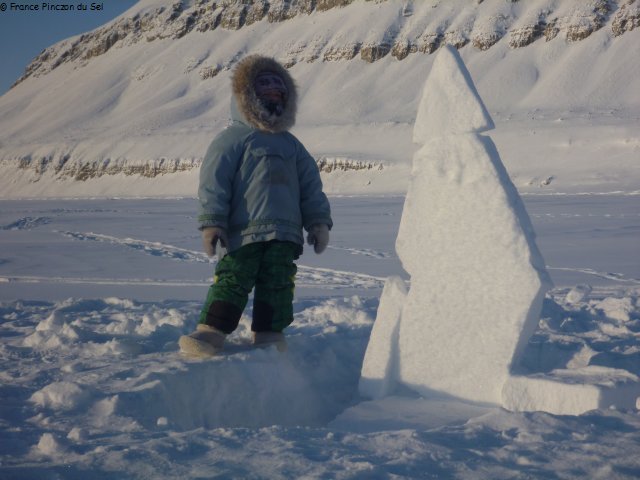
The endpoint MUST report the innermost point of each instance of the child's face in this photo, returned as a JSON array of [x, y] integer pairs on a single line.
[[270, 88]]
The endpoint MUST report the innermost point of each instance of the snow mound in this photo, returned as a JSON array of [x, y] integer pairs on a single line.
[[578, 293], [60, 396], [49, 445], [250, 389]]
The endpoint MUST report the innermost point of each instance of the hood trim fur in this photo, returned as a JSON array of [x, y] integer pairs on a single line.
[[247, 101]]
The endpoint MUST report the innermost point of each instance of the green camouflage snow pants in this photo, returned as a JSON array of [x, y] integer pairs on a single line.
[[267, 266]]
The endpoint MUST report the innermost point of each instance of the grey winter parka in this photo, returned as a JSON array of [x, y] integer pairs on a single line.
[[257, 181]]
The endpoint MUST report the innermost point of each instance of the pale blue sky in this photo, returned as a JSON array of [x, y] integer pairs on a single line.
[[24, 34]]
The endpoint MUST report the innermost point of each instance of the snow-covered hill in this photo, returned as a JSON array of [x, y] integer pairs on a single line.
[[130, 108]]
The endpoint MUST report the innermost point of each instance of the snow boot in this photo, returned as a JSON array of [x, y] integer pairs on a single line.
[[206, 341], [266, 339]]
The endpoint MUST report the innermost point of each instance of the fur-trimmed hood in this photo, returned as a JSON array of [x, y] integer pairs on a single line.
[[246, 100]]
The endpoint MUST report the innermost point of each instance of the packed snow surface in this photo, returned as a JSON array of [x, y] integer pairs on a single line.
[[95, 293]]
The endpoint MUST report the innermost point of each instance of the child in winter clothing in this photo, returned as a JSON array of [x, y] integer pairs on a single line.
[[259, 188]]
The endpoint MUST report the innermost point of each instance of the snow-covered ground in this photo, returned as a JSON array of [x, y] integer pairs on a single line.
[[95, 293]]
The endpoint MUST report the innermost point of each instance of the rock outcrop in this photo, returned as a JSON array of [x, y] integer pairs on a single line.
[[63, 167], [345, 52], [373, 52], [331, 164], [521, 37], [626, 18]]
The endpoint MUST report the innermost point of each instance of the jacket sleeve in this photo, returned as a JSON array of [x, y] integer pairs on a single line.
[[217, 174], [314, 204]]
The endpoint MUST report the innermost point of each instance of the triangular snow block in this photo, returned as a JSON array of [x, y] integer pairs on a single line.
[[450, 103]]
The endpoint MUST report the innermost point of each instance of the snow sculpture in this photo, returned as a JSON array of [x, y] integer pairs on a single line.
[[477, 277]]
